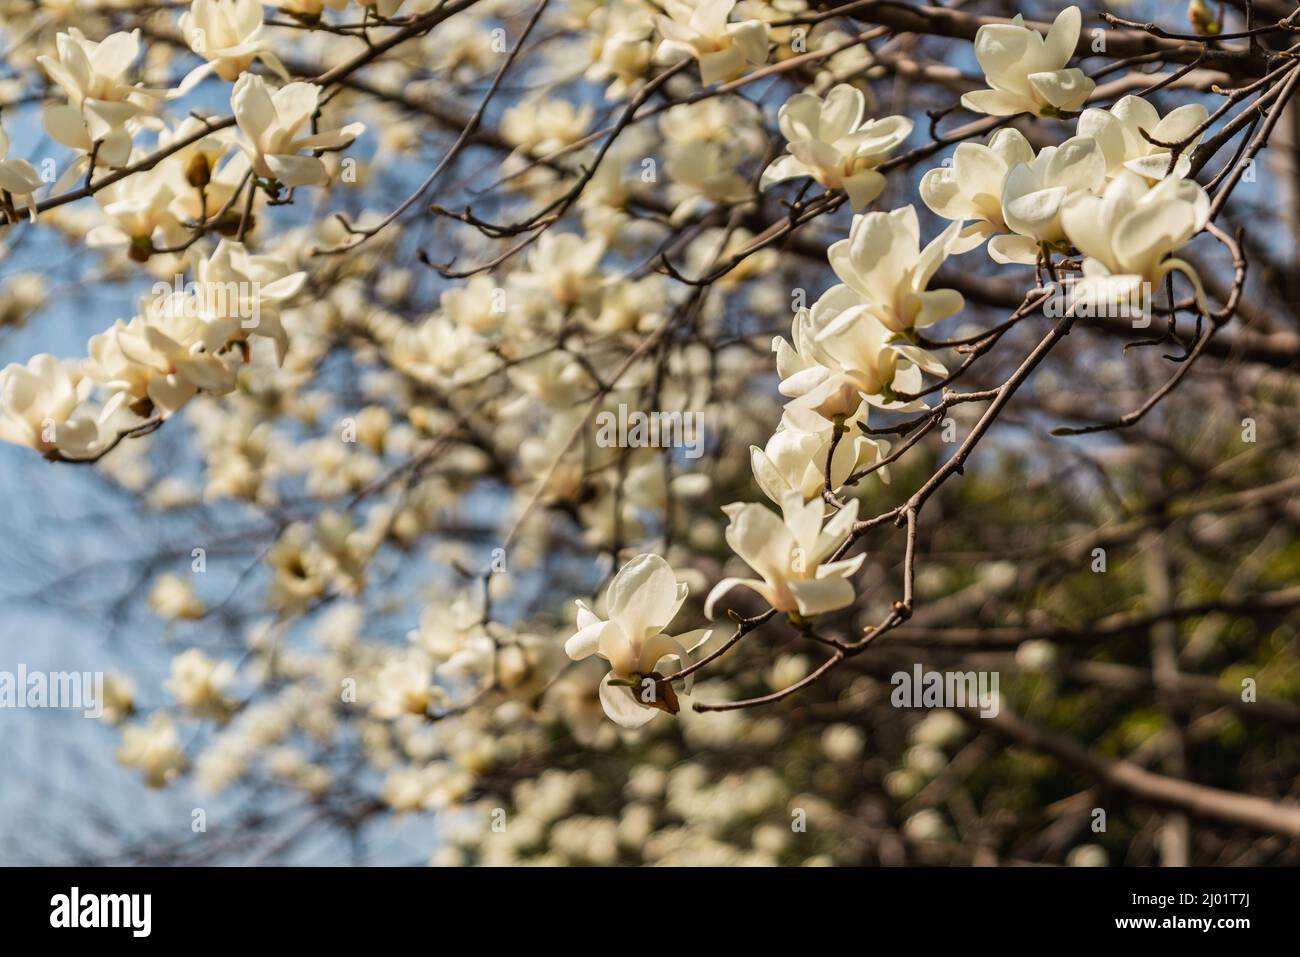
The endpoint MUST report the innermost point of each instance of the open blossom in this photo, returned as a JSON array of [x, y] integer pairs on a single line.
[[621, 50], [404, 686], [565, 267], [1027, 72], [707, 142], [624, 58], [971, 188], [42, 405], [101, 99], [172, 597], [795, 460], [158, 361], [840, 354], [233, 284], [700, 29], [788, 552], [883, 262], [1128, 234], [277, 127], [17, 176], [1034, 193], [546, 125], [153, 749], [139, 214], [641, 601], [1132, 135], [228, 34], [200, 684], [831, 141]]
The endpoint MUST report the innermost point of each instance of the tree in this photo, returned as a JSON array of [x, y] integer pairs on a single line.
[[454, 314]]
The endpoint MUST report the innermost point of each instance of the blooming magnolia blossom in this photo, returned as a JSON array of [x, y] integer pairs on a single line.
[[795, 460], [971, 188], [102, 101], [546, 125], [153, 749], [138, 210], [621, 50], [404, 686], [42, 406], [624, 58], [1129, 233], [565, 268], [200, 685], [228, 34], [883, 262], [1027, 72], [172, 597], [157, 362], [700, 29], [831, 141], [840, 353], [641, 600], [276, 127], [233, 284], [1134, 137], [17, 176], [788, 552], [1034, 193]]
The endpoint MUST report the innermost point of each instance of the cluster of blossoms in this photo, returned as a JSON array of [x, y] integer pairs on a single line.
[[193, 337], [1115, 192]]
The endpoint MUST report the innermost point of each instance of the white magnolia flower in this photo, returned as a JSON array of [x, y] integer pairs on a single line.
[[101, 98], [154, 749], [199, 685], [228, 34], [404, 685], [232, 284], [172, 597], [1129, 233], [700, 29], [276, 127], [622, 52], [706, 144], [1026, 71], [565, 267], [831, 142], [640, 602], [795, 460], [971, 188], [139, 213], [1127, 130], [42, 406], [788, 553], [883, 262], [543, 126], [840, 354], [156, 363], [17, 176], [1034, 193]]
